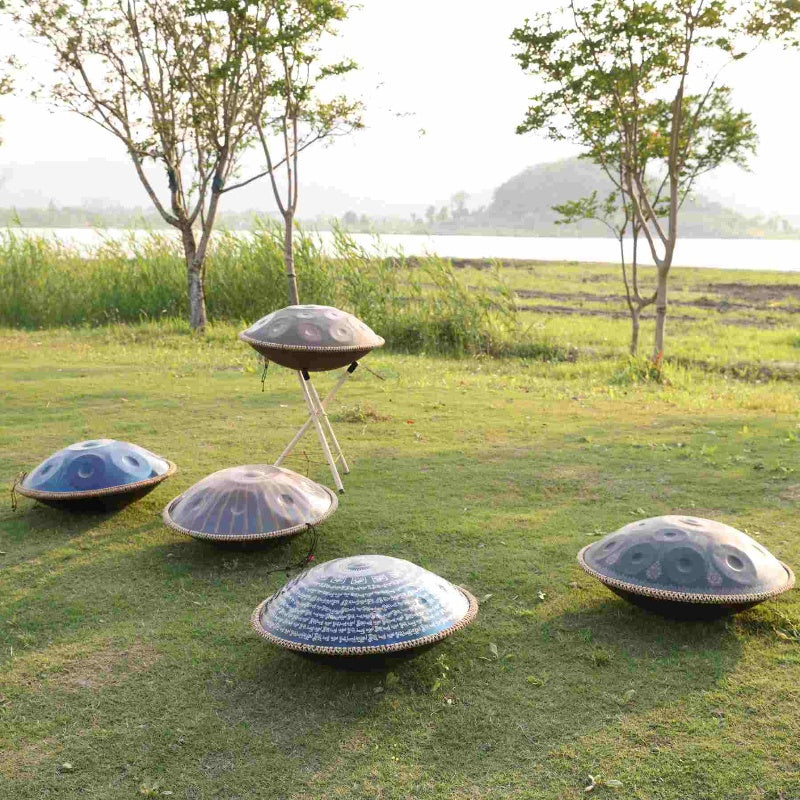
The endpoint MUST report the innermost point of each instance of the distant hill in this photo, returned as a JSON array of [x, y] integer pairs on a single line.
[[80, 195], [100, 188], [525, 202]]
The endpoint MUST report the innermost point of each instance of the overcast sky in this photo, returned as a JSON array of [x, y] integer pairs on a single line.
[[446, 66]]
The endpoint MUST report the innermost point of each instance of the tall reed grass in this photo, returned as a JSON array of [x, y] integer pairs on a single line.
[[418, 306]]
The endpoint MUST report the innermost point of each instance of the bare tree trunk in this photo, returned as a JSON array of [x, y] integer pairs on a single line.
[[635, 312], [288, 256], [661, 312], [197, 299], [195, 281]]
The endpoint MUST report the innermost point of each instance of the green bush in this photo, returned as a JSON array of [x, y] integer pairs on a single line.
[[418, 306]]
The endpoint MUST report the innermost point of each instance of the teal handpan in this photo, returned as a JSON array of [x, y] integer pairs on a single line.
[[361, 606], [96, 474], [686, 567]]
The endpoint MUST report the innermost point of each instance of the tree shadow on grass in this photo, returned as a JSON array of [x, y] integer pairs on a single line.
[[34, 530], [458, 711], [46, 522], [206, 561], [520, 713]]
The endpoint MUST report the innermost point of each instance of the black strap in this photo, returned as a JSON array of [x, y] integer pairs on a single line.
[[20, 477], [264, 374], [306, 560], [376, 374]]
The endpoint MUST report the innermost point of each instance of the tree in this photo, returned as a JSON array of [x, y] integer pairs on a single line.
[[298, 115], [169, 81], [7, 66], [618, 79], [459, 204], [619, 217], [5, 88]]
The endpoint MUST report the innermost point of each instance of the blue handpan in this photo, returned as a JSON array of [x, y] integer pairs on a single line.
[[95, 475], [686, 567], [363, 605]]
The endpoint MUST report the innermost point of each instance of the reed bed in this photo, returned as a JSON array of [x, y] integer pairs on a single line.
[[418, 306]]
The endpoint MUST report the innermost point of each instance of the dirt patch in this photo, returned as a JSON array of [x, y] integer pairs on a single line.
[[721, 305], [28, 757], [745, 322], [744, 370], [79, 666], [753, 292], [791, 493], [482, 264], [74, 667], [566, 296]]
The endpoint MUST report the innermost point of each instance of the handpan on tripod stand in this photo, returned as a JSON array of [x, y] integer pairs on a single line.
[[308, 339]]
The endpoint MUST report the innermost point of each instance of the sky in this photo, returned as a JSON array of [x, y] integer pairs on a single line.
[[446, 68]]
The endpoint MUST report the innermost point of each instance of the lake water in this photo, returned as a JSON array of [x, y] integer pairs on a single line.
[[759, 254]]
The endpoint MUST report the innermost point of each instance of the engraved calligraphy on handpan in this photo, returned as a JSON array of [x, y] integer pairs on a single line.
[[363, 601]]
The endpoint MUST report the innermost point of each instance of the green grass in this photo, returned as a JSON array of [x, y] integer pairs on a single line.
[[716, 318], [740, 323], [126, 651], [45, 284]]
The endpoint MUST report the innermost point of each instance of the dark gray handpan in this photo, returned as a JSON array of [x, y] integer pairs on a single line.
[[312, 338], [362, 606], [686, 567], [250, 503]]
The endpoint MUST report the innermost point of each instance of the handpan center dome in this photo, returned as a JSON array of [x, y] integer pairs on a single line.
[[672, 563], [250, 502], [362, 605], [104, 471], [311, 337]]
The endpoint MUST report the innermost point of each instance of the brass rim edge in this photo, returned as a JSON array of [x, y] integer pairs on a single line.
[[468, 617], [685, 597], [311, 348], [249, 537], [36, 494]]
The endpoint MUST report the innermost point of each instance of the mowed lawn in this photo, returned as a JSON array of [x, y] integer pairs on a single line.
[[128, 665]]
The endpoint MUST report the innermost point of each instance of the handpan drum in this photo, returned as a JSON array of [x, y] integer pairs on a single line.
[[686, 567], [311, 338], [250, 503], [361, 606], [96, 475]]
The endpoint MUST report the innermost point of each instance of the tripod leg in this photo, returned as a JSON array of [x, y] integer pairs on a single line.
[[326, 426], [299, 435], [312, 410]]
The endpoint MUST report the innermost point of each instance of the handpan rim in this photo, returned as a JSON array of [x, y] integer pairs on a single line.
[[124, 488], [696, 598], [469, 616], [308, 348], [249, 537]]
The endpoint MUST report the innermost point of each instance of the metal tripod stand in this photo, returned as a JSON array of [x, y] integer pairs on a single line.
[[318, 417]]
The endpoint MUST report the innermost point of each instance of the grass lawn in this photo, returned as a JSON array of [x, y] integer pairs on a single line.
[[717, 318], [128, 668]]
